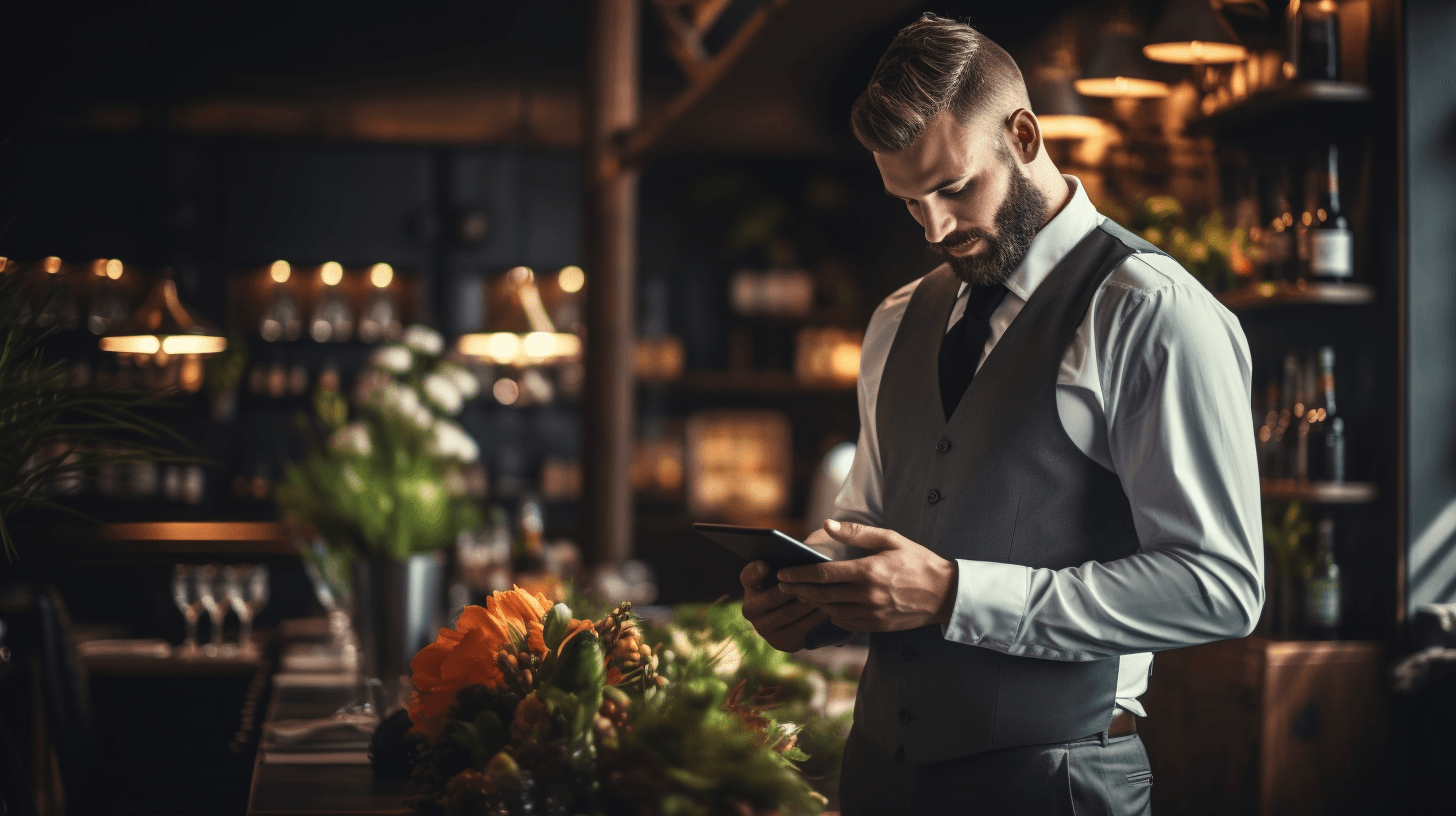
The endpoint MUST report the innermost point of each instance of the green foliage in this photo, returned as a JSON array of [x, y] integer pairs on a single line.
[[1207, 248], [389, 483], [1284, 533], [52, 431]]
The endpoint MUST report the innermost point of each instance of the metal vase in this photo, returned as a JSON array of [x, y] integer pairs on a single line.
[[398, 610]]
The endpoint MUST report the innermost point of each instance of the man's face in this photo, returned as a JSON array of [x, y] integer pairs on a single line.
[[963, 185]]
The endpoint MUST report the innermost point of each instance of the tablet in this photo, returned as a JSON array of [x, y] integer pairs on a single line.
[[763, 544]]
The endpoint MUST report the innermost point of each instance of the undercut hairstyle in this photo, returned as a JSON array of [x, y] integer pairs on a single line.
[[934, 65]]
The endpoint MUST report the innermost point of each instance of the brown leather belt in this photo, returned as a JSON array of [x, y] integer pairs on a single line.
[[1124, 722]]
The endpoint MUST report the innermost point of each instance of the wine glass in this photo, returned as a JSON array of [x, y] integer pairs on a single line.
[[247, 592], [184, 594], [209, 592]]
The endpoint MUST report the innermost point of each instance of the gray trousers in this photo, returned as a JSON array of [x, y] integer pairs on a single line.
[[1082, 777]]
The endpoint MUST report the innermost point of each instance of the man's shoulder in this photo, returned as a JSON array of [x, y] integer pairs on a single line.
[[892, 308]]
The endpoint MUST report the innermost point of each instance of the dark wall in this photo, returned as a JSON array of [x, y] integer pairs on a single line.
[[1430, 236]]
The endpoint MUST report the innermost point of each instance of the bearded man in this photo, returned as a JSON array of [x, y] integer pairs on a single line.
[[1055, 475]]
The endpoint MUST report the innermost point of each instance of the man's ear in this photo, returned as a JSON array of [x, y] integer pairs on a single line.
[[1024, 131]]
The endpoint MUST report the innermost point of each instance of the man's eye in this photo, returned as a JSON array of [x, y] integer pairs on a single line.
[[955, 193]]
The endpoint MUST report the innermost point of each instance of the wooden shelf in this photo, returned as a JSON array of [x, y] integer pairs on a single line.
[[1300, 102], [1318, 492], [1301, 293], [253, 538], [761, 383]]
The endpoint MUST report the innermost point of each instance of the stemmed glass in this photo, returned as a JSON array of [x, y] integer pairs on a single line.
[[246, 587], [214, 601], [184, 593]]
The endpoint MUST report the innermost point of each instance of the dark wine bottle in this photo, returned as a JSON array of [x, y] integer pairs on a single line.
[[1313, 31], [1323, 605], [1331, 244]]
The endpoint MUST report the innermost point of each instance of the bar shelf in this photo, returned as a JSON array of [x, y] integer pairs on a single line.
[[1268, 294], [1318, 492]]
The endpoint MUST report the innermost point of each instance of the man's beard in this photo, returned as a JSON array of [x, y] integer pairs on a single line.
[[1018, 220]]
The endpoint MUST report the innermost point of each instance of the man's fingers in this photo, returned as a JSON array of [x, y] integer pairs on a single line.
[[800, 628], [824, 593], [758, 604], [835, 572], [784, 617], [752, 575], [863, 535]]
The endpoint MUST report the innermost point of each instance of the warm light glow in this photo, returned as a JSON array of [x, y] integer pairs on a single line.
[[533, 348], [571, 279], [280, 270], [1195, 52], [172, 344], [113, 269], [4, 264], [331, 273], [52, 265], [193, 344], [135, 344], [1058, 126], [381, 274], [844, 361], [520, 274], [506, 391], [1121, 87]]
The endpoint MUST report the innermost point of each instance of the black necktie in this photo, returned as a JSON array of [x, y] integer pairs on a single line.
[[961, 349]]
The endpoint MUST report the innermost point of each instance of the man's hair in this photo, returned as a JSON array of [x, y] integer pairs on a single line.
[[933, 65]]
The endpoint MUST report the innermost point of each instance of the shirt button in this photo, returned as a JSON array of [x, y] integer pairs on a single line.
[[905, 716], [943, 445], [907, 653], [933, 497]]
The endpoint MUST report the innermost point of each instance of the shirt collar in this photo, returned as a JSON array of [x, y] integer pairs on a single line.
[[1054, 241]]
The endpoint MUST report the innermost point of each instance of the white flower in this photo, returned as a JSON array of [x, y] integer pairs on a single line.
[[443, 393], [352, 439], [392, 358], [421, 416], [449, 440], [424, 339], [464, 381]]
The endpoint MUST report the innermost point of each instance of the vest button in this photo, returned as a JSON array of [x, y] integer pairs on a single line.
[[933, 497], [907, 653], [905, 716], [943, 445]]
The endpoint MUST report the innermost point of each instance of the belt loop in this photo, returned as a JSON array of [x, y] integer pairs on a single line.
[[1104, 736]]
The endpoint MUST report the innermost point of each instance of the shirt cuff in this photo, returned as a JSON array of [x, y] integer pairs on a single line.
[[990, 603]]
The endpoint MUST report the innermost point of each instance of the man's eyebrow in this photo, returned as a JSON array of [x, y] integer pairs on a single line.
[[941, 186]]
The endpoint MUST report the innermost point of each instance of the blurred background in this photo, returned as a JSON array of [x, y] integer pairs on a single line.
[[646, 247]]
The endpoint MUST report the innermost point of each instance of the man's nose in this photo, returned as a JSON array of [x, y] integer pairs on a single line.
[[938, 222]]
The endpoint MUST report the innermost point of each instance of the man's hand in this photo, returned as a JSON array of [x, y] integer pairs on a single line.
[[901, 585], [780, 619]]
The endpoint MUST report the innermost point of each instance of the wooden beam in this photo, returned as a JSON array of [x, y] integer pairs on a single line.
[[645, 140], [611, 227], [683, 41]]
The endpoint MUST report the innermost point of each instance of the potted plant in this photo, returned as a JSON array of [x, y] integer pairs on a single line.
[[385, 494]]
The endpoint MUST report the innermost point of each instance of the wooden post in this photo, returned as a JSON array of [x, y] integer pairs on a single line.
[[611, 254]]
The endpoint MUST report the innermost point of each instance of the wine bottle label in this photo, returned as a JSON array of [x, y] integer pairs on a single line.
[[1332, 253], [1322, 602]]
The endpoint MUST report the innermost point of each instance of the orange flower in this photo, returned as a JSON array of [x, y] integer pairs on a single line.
[[466, 655]]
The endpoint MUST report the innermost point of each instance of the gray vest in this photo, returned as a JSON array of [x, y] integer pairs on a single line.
[[1001, 481]]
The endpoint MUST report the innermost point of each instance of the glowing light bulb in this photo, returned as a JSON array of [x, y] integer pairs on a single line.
[[571, 279], [380, 275], [52, 265], [331, 273], [280, 270], [113, 269]]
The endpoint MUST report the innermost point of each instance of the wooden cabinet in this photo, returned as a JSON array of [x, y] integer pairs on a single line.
[[1257, 726]]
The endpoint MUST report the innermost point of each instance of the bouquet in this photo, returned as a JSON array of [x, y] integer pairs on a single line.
[[390, 483], [523, 708]]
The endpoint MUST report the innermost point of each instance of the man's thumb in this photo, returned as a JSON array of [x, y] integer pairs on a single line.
[[860, 535]]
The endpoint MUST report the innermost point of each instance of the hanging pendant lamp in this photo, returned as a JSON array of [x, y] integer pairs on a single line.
[[163, 324], [1190, 32], [1118, 69], [524, 332], [1062, 113]]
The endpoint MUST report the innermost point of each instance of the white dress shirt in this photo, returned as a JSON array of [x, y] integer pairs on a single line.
[[1154, 387]]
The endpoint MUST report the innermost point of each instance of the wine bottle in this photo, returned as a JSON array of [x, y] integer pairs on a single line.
[[1279, 238], [1313, 31], [1321, 418], [1322, 600], [1331, 245]]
